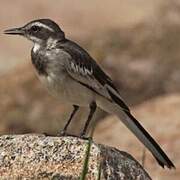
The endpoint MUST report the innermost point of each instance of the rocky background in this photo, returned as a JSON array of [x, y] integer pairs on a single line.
[[136, 42]]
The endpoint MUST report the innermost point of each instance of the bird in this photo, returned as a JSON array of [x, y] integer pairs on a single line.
[[71, 75]]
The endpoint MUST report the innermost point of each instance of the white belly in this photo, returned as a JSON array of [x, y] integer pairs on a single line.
[[67, 90]]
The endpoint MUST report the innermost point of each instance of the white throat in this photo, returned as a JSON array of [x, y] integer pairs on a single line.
[[36, 47]]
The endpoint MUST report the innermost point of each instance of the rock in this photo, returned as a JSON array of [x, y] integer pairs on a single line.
[[32, 156]]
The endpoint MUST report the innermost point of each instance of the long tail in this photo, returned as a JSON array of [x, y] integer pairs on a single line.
[[131, 123]]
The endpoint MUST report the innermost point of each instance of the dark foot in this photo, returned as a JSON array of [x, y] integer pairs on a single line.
[[62, 133], [47, 134], [83, 136]]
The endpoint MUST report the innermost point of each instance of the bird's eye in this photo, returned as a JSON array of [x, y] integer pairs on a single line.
[[35, 28]]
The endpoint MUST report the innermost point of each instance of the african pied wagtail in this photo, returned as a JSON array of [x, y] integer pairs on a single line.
[[73, 76]]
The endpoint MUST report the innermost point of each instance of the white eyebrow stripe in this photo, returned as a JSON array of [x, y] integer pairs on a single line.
[[42, 25]]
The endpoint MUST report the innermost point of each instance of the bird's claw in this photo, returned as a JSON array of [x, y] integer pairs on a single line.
[[62, 133], [47, 134], [82, 136]]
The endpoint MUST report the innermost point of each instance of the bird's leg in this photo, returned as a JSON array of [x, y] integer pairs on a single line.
[[63, 132], [91, 113]]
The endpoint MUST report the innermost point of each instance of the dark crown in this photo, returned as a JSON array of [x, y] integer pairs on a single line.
[[39, 30], [43, 29], [47, 22]]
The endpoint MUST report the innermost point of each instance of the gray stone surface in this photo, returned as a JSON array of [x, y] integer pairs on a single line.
[[33, 156]]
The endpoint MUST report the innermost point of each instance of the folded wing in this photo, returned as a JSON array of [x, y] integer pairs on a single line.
[[82, 68]]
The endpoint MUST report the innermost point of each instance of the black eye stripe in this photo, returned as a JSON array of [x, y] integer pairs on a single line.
[[35, 28]]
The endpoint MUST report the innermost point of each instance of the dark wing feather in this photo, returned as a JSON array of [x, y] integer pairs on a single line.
[[86, 71]]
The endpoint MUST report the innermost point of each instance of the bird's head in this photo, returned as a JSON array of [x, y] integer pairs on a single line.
[[39, 31]]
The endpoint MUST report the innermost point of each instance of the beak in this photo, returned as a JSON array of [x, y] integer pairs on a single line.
[[15, 31]]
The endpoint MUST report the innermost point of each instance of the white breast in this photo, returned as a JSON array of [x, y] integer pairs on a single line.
[[54, 85], [49, 81]]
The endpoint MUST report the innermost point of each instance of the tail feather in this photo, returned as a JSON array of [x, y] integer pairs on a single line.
[[148, 141], [132, 124]]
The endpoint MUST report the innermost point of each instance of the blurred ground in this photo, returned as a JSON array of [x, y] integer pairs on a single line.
[[136, 42]]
